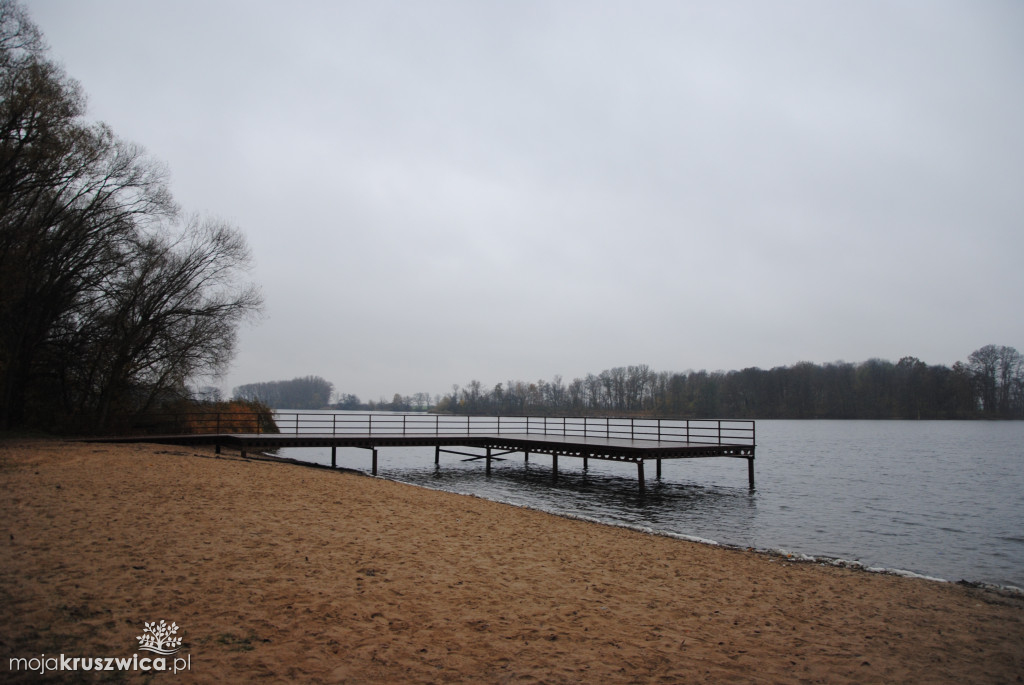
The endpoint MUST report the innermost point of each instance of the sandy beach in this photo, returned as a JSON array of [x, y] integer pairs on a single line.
[[282, 573]]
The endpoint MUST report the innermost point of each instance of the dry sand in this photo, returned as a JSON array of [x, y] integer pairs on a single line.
[[283, 573]]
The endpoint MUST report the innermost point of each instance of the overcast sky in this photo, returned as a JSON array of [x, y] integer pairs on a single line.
[[436, 192]]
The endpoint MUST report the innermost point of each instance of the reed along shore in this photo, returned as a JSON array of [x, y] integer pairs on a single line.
[[286, 573]]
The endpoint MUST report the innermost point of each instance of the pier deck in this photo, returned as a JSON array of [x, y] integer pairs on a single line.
[[611, 439]]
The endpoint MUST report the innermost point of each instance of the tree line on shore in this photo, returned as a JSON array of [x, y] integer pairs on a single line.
[[112, 300], [315, 392], [989, 385]]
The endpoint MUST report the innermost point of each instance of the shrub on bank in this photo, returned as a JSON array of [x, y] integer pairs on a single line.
[[235, 416], [192, 417]]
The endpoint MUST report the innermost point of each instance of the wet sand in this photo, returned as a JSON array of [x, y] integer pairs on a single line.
[[283, 573]]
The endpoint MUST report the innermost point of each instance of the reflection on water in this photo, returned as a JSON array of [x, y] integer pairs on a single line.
[[944, 499]]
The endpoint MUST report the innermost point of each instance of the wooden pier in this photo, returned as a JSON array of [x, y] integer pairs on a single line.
[[630, 440]]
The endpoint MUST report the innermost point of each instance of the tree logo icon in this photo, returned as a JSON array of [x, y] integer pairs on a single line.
[[159, 638]]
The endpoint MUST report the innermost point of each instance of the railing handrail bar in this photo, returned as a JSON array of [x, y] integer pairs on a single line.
[[697, 431]]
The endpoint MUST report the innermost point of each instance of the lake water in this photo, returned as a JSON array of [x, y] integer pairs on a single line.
[[943, 499]]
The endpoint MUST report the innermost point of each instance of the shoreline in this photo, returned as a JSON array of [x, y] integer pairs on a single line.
[[321, 576], [789, 555]]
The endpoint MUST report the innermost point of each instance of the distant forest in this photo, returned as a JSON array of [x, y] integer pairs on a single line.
[[314, 392], [989, 385], [308, 392]]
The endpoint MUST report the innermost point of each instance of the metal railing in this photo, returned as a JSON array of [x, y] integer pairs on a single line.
[[691, 431]]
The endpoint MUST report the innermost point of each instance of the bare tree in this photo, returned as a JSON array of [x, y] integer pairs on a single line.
[[20, 38], [998, 375], [1010, 377], [983, 364], [168, 316], [71, 193], [104, 304]]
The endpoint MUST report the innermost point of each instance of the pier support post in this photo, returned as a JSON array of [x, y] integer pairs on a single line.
[[584, 463], [526, 456], [216, 448], [640, 474], [334, 456], [488, 458], [374, 468], [437, 455], [658, 475], [554, 467], [750, 471]]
